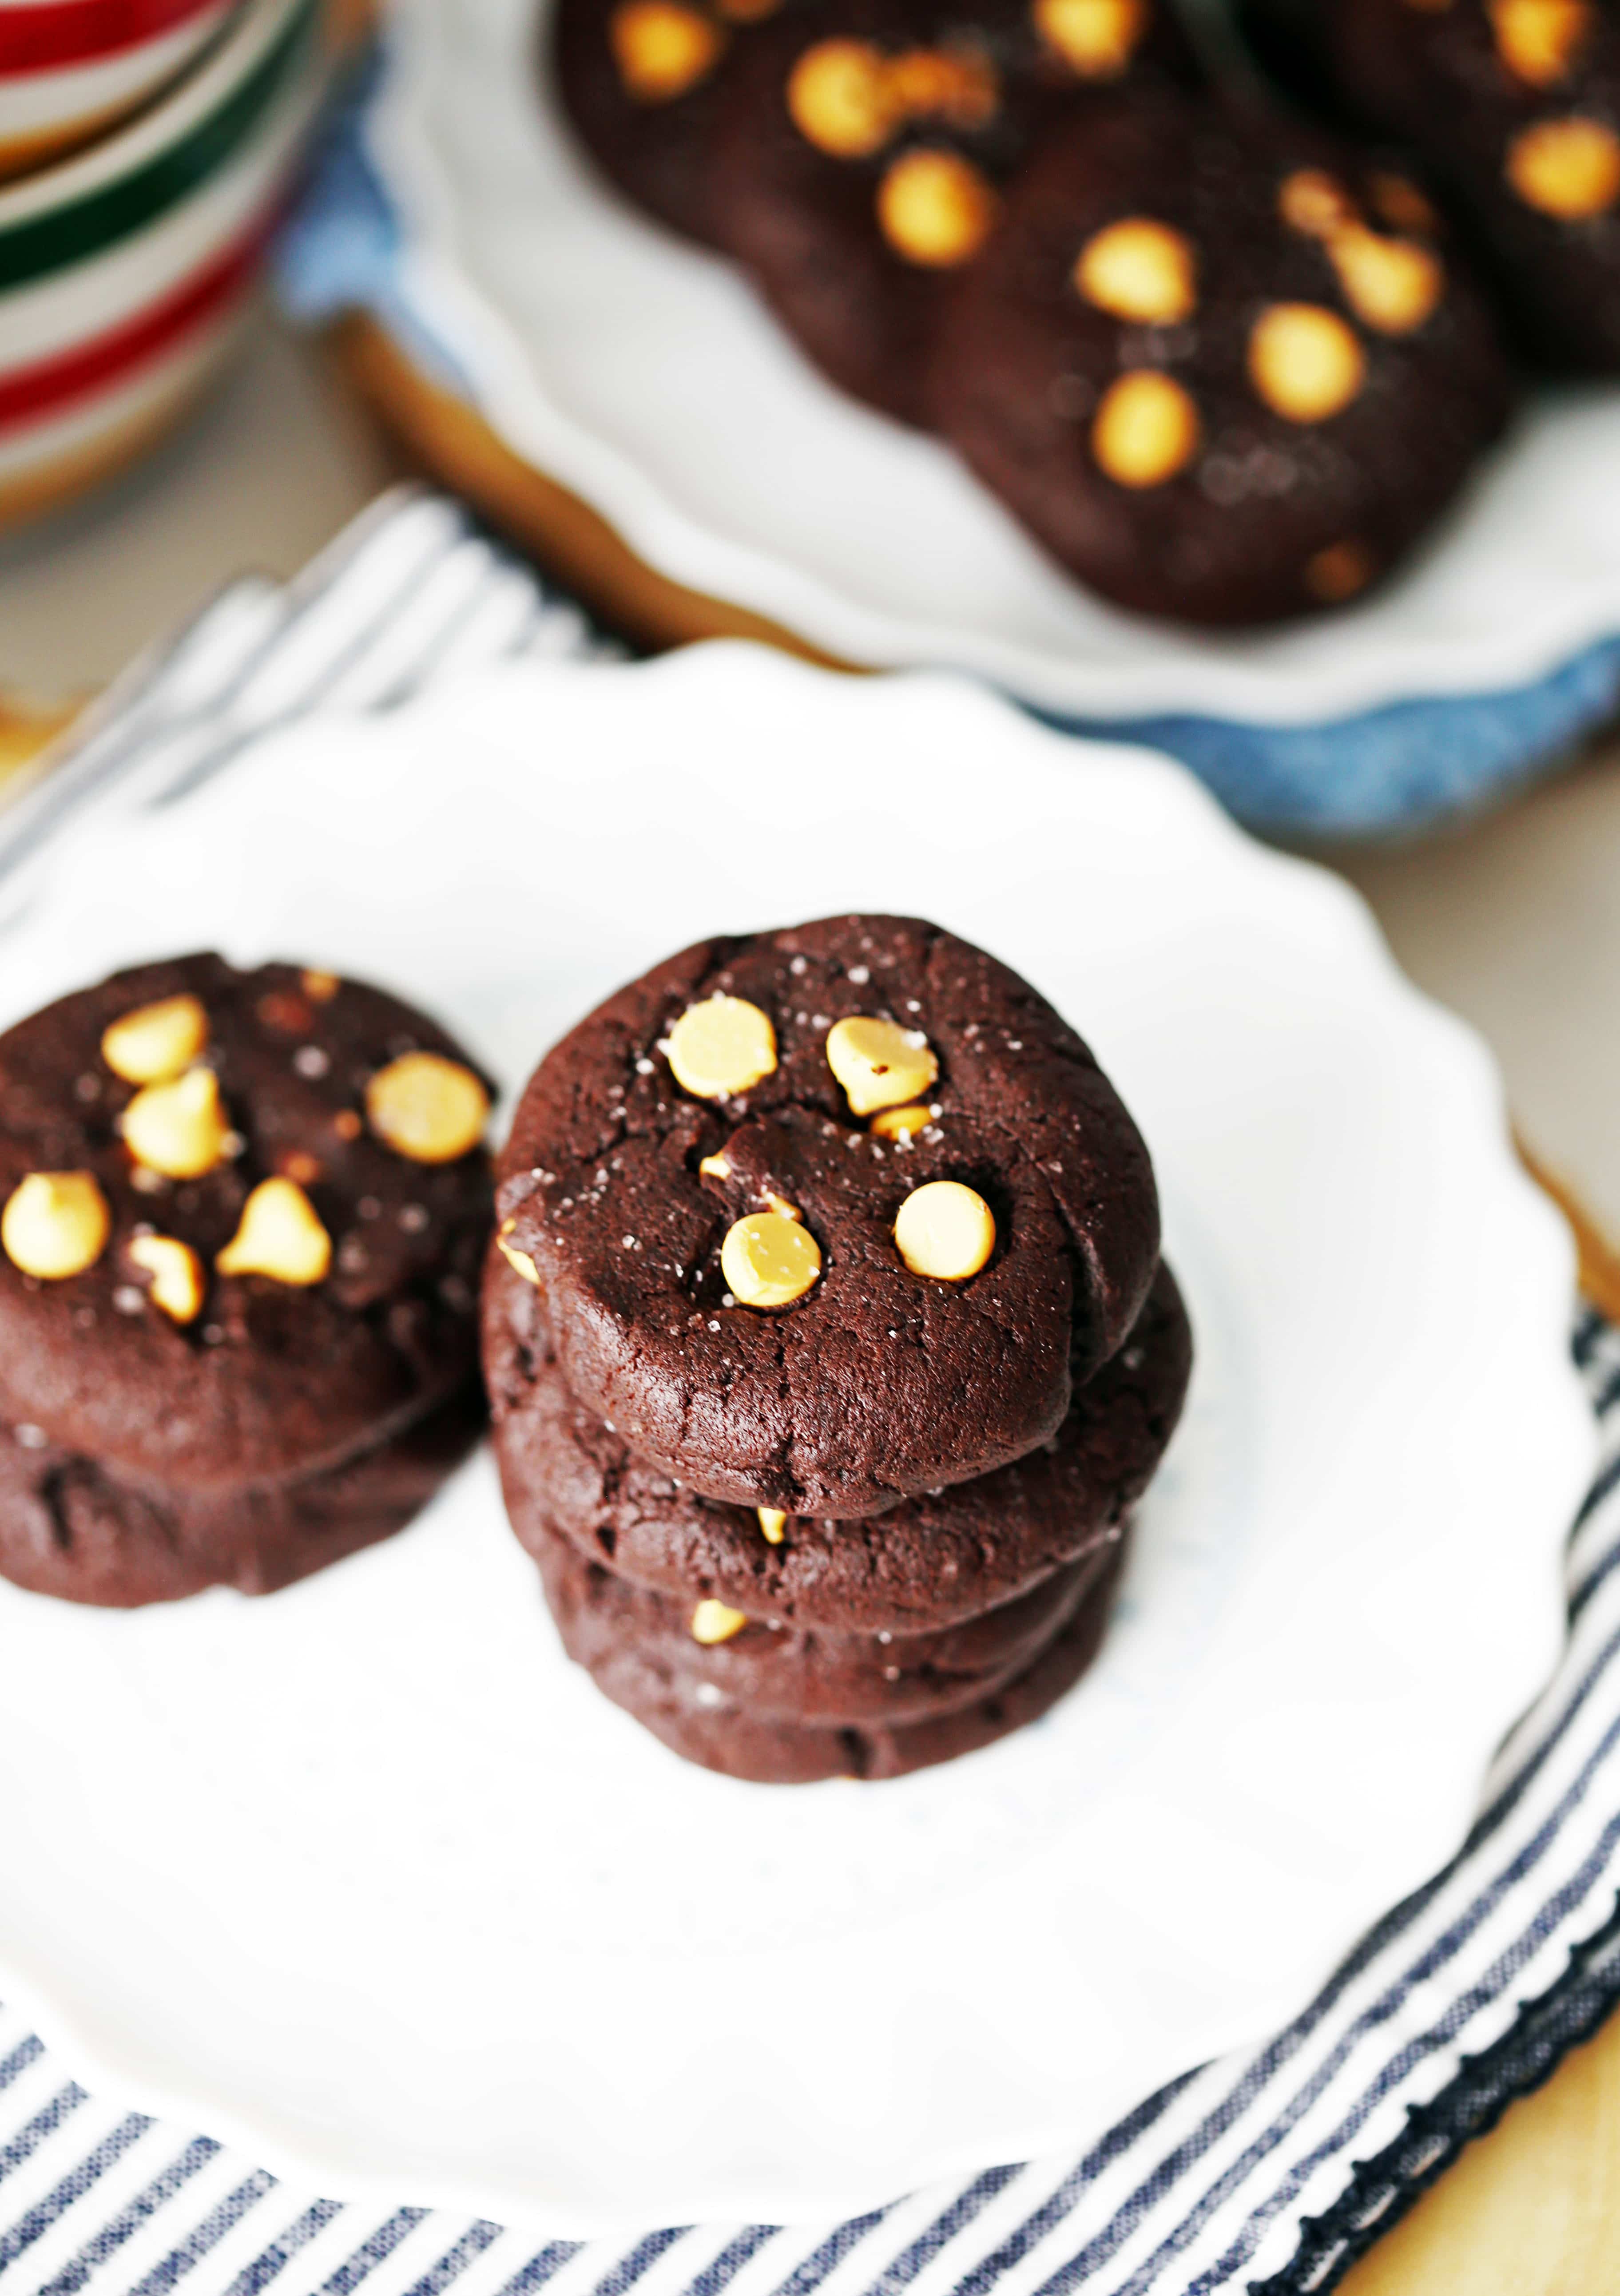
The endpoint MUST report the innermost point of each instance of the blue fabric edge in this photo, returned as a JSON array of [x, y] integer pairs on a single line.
[[1404, 767]]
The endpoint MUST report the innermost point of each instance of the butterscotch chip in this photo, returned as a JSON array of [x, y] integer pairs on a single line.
[[841, 98], [879, 1063], [514, 1259], [945, 1230], [428, 1108], [320, 988], [935, 208], [1097, 38], [721, 1047], [781, 1207], [1569, 169], [716, 1622], [715, 1167], [662, 49], [1305, 361], [55, 1224], [1393, 284], [280, 1235], [773, 1522], [901, 1123], [769, 1262], [792, 1408], [178, 1285], [1139, 270], [156, 1041], [1340, 571], [958, 84], [179, 1129], [1145, 431], [1539, 40], [1315, 203]]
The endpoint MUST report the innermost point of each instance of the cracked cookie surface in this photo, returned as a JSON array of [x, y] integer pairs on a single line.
[[618, 1191], [270, 1290]]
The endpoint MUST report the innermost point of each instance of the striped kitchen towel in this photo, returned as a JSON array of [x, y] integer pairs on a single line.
[[1269, 2169]]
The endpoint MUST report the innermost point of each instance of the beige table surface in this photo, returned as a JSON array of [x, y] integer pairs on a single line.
[[1514, 921]]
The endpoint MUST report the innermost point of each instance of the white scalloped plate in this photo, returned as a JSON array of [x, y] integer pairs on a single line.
[[646, 377], [369, 1880]]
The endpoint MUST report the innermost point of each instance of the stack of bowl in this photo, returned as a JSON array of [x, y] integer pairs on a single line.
[[148, 148]]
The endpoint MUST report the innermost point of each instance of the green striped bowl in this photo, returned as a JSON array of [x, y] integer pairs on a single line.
[[125, 270]]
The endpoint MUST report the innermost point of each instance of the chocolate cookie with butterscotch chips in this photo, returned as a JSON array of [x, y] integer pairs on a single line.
[[864, 147], [694, 1712], [831, 1217], [932, 1562], [1515, 107], [1222, 369], [641, 82], [241, 1221], [774, 1672]]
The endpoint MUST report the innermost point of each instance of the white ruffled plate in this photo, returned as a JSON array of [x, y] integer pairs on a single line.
[[369, 1880]]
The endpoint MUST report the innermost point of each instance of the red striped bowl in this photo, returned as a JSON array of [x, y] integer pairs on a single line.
[[125, 269], [71, 69]]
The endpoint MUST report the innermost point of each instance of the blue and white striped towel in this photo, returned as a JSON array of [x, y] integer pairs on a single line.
[[1269, 2169]]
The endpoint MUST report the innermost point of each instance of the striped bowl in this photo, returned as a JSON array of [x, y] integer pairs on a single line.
[[125, 269], [69, 70]]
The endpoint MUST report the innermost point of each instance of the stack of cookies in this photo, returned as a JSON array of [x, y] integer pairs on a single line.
[[829, 1348]]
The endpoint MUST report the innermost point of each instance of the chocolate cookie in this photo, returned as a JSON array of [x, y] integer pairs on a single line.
[[1220, 367], [743, 1746], [1285, 38], [1515, 106], [861, 150], [783, 1306], [931, 1561], [243, 1218], [776, 1673], [641, 81], [71, 1526]]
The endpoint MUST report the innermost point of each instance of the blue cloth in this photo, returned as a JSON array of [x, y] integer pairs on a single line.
[[1400, 768]]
